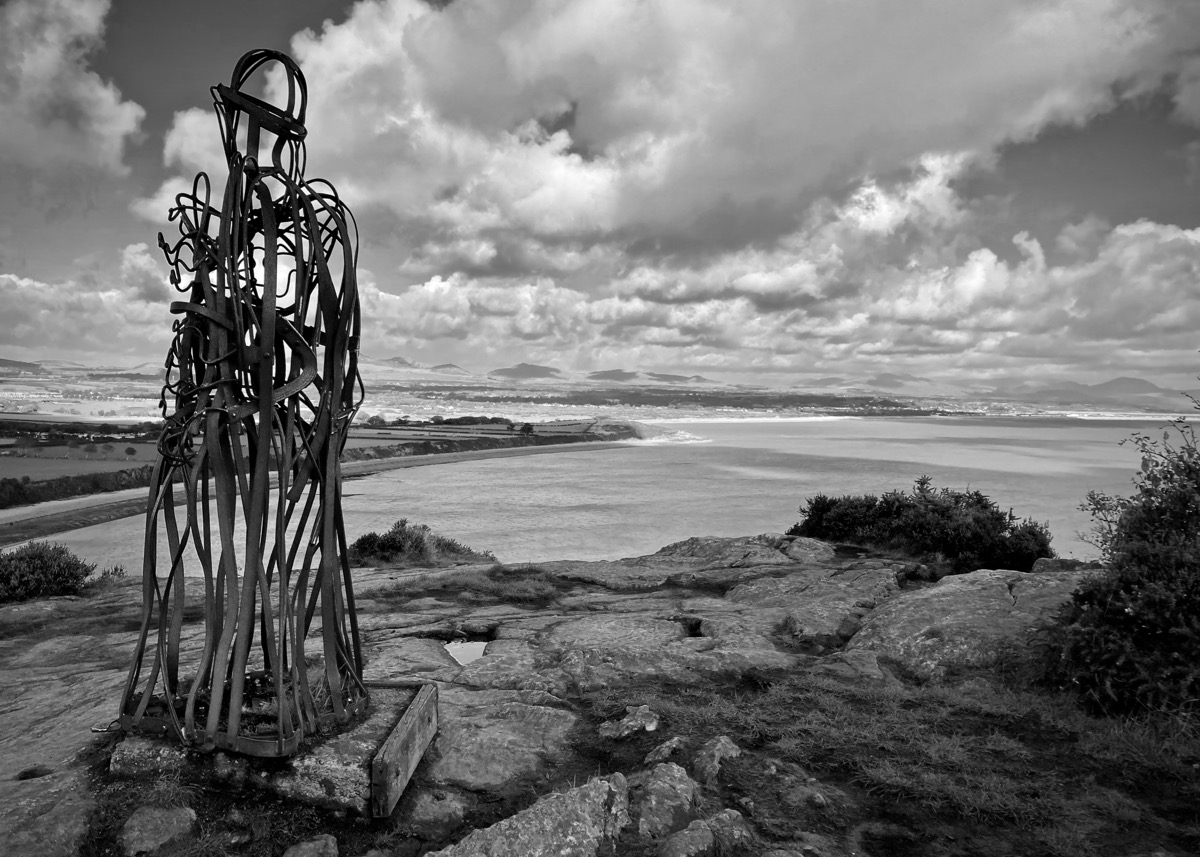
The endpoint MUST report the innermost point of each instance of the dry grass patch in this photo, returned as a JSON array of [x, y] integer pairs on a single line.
[[997, 766]]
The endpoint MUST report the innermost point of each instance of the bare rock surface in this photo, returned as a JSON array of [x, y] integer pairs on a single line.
[[662, 800], [724, 833], [152, 827], [47, 816], [701, 610], [711, 754], [694, 840], [638, 718], [491, 739], [434, 813], [319, 846], [574, 823], [964, 622]]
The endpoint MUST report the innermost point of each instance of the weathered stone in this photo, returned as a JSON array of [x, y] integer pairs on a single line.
[[711, 754], [63, 662], [638, 719], [965, 622], [858, 666], [46, 816], [514, 664], [708, 551], [662, 799], [492, 739], [609, 651], [434, 814], [730, 830], [807, 550], [324, 845], [152, 827], [138, 757], [664, 751], [393, 657], [694, 840], [821, 605], [574, 823]]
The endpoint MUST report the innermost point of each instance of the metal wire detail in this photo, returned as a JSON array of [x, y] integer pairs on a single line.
[[263, 378]]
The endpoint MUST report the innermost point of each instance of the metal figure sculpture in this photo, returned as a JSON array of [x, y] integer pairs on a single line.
[[263, 374]]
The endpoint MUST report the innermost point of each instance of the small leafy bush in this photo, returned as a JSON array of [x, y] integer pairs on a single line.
[[39, 570], [407, 542], [963, 529], [1129, 640]]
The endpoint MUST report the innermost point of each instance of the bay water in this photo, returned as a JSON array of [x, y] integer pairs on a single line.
[[729, 477], [742, 476]]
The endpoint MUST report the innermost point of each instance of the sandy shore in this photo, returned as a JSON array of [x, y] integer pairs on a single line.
[[20, 524]]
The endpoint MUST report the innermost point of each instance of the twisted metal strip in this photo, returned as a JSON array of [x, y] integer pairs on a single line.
[[264, 384]]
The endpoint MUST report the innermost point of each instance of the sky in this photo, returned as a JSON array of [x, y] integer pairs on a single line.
[[755, 191]]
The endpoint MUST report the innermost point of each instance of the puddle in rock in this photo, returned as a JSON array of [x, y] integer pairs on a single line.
[[465, 651]]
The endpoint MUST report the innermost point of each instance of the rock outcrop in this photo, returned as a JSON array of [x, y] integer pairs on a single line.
[[966, 622], [702, 610], [574, 823]]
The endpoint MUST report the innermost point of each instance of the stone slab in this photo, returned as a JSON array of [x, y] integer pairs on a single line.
[[334, 773]]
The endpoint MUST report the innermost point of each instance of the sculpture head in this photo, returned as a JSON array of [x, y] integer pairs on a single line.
[[285, 122]]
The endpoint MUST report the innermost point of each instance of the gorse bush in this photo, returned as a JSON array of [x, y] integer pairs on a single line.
[[40, 569], [407, 542], [963, 529], [1130, 638]]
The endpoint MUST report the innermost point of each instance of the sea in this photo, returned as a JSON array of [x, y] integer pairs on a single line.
[[723, 477], [738, 476]]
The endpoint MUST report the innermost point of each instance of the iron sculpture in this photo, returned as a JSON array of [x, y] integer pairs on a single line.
[[263, 378]]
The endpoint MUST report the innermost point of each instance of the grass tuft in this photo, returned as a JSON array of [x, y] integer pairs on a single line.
[[513, 584]]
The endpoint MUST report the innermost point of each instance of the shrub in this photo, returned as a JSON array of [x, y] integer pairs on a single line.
[[406, 542], [41, 569], [1129, 639], [963, 529]]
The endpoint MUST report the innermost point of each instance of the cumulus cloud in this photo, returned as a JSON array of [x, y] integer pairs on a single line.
[[754, 187], [595, 117], [833, 301], [97, 317], [54, 111]]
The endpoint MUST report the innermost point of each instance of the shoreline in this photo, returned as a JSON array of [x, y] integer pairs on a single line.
[[25, 523]]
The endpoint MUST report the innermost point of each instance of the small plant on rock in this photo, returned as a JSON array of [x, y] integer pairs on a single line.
[[40, 570], [408, 543]]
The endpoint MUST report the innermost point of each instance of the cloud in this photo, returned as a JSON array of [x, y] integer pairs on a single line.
[[144, 276], [603, 119], [754, 187], [55, 112], [94, 318], [1122, 300]]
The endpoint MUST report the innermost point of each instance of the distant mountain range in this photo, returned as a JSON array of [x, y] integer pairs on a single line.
[[1135, 394], [17, 366], [526, 372], [626, 377], [1118, 394]]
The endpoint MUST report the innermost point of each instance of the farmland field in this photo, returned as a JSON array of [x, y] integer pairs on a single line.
[[48, 462]]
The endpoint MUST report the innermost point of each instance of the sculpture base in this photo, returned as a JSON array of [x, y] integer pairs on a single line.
[[363, 769]]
